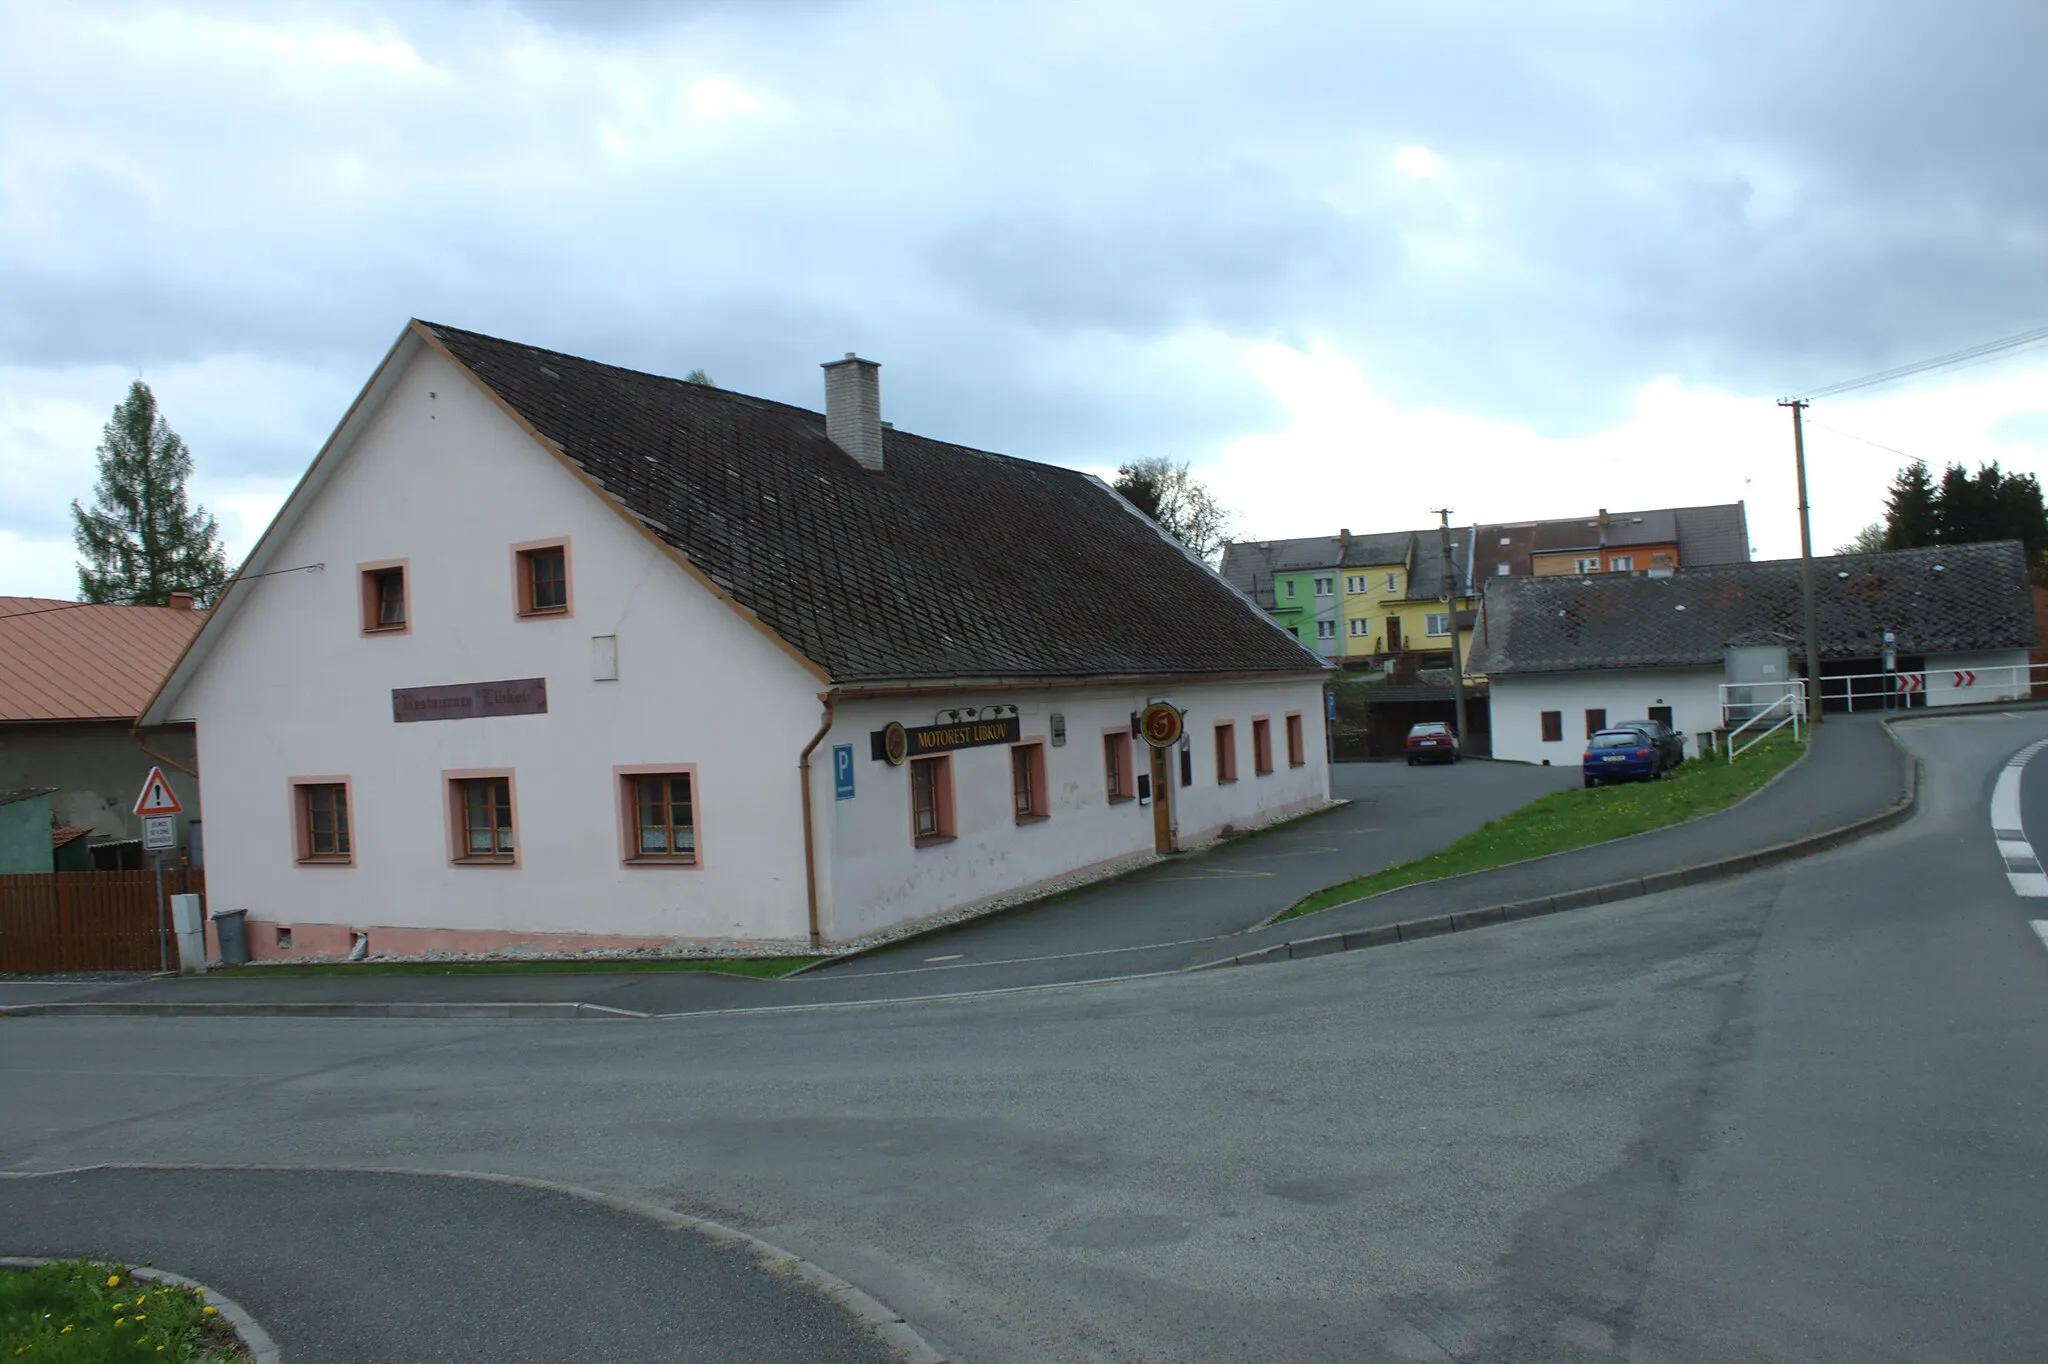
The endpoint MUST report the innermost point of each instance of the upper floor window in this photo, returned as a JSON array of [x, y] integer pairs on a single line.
[[1621, 563], [543, 578], [383, 594], [1437, 623], [1500, 570], [1357, 582], [1326, 629], [1390, 582], [1591, 565], [1324, 585], [1290, 589]]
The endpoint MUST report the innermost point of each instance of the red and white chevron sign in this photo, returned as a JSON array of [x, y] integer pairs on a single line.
[[1911, 682], [1966, 679]]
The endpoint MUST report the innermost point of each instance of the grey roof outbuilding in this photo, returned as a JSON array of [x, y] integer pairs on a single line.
[[1944, 600]]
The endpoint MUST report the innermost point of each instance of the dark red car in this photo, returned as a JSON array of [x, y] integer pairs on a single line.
[[1432, 741]]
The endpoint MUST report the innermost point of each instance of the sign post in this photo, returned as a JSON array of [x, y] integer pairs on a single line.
[[156, 807]]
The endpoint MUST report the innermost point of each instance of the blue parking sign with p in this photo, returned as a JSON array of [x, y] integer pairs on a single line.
[[842, 771]]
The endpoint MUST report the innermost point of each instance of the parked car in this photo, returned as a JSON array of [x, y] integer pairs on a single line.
[[1432, 741], [1667, 739], [1622, 755]]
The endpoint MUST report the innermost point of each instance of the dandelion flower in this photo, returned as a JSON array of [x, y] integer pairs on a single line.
[[120, 1321], [209, 1311], [67, 1329], [113, 1279]]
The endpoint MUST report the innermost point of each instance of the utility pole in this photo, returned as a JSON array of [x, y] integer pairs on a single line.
[[1451, 609], [1798, 406]]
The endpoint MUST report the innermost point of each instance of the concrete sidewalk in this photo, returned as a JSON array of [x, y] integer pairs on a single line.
[[1854, 771]]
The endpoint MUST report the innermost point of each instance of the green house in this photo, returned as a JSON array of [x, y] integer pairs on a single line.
[[25, 831]]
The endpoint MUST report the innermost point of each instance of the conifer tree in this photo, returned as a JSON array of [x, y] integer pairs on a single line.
[[1910, 509], [139, 540]]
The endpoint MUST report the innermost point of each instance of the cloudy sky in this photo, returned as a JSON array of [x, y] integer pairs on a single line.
[[1353, 260]]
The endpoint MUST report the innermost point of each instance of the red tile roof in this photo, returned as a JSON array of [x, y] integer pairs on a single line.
[[67, 833], [67, 661]]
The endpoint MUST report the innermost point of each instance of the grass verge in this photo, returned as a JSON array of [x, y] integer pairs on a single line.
[[761, 968], [1564, 820], [89, 1312]]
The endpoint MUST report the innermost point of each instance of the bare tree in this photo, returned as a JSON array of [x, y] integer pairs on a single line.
[[1869, 540], [1178, 502]]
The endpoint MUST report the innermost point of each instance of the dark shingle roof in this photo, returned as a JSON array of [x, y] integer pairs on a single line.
[[1949, 599], [1717, 534], [1426, 575], [948, 562], [1250, 565]]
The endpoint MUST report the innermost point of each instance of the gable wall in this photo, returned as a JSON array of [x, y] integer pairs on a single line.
[[443, 479], [1518, 701]]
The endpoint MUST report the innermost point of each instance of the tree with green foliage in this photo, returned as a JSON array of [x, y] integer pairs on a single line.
[[1869, 540], [1910, 518], [140, 540], [698, 376], [1177, 502]]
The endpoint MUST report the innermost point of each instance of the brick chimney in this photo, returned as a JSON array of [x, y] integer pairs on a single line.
[[853, 408], [182, 601]]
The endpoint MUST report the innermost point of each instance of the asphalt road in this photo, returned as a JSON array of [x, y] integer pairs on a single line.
[[1798, 1116]]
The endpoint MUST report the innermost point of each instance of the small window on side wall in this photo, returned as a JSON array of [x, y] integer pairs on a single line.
[[384, 599], [1226, 753], [543, 578], [1297, 752], [931, 800], [1119, 778], [661, 818], [1027, 783], [321, 817], [1262, 746], [1596, 720], [1553, 726]]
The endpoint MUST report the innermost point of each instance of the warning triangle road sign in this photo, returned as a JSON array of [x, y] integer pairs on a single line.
[[157, 798]]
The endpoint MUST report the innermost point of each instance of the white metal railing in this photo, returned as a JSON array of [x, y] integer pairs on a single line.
[[1765, 707], [1922, 687]]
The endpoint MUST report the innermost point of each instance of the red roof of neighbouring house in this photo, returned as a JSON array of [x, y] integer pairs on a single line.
[[66, 833], [64, 660]]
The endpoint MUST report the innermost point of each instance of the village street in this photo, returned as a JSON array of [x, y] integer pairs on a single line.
[[1793, 1116]]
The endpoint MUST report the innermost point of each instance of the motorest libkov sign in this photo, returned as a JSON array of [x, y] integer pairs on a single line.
[[893, 743]]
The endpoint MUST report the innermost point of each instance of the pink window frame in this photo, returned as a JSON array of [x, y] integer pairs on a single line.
[[629, 816], [452, 813], [366, 606], [1262, 745], [1128, 788], [522, 608], [1041, 799], [302, 832]]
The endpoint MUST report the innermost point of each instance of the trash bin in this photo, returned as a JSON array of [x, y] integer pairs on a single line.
[[234, 938]]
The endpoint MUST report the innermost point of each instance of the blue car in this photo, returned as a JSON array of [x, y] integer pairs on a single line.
[[1622, 755]]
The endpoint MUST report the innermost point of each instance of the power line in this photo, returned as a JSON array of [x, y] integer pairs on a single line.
[[1960, 357], [229, 582], [1877, 445]]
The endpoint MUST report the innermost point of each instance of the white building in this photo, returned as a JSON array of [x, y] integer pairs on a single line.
[[547, 654], [1567, 655]]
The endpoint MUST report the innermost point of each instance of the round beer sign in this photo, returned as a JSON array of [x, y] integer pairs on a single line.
[[895, 743], [1160, 724]]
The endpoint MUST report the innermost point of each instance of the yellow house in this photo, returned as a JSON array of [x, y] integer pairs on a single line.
[[1392, 599]]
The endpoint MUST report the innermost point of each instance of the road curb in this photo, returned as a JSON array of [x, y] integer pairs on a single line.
[[482, 1009], [1612, 892], [253, 1335], [887, 1324]]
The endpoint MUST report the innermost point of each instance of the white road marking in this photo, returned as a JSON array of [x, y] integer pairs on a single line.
[[2022, 865], [2041, 931], [953, 956]]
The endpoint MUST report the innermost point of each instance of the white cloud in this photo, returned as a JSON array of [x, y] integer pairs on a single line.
[[1418, 163]]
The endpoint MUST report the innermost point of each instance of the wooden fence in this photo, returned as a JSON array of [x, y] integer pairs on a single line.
[[90, 920]]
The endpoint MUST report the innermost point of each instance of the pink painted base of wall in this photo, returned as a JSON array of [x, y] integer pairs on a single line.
[[330, 942]]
